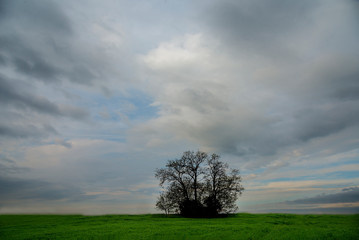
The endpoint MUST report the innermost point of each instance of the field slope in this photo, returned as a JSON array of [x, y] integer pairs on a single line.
[[239, 226]]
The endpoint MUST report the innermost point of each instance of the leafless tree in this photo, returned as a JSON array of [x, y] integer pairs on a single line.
[[198, 185]]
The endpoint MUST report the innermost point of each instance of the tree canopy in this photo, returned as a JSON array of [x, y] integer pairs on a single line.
[[198, 185]]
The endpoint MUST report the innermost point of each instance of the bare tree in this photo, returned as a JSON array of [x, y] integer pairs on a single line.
[[165, 203], [198, 185], [223, 188], [193, 162]]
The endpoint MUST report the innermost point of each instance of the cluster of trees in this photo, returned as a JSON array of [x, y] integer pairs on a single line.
[[198, 185]]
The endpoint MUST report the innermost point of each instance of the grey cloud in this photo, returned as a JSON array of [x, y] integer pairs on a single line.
[[202, 100], [39, 14], [21, 110], [82, 75], [322, 121], [30, 48], [42, 46], [64, 143], [2, 8], [348, 195], [350, 189], [344, 203], [258, 25], [73, 112], [340, 74], [8, 166], [328, 102], [2, 60], [236, 131], [264, 136], [18, 189], [42, 53], [36, 68], [11, 95], [115, 172], [48, 46], [314, 97], [27, 60], [14, 94], [24, 131]]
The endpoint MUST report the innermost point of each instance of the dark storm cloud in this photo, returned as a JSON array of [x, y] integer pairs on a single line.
[[348, 195]]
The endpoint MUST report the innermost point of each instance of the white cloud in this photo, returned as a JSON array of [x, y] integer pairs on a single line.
[[178, 54]]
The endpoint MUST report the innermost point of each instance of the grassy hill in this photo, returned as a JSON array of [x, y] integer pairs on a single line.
[[239, 226]]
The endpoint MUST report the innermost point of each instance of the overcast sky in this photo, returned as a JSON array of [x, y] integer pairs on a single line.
[[95, 95]]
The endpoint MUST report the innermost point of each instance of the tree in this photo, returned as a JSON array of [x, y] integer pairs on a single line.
[[198, 185], [165, 203]]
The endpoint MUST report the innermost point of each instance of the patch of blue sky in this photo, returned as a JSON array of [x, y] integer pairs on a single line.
[[257, 171], [325, 176], [133, 103], [286, 179], [108, 136], [142, 103], [136, 106], [110, 116], [341, 175], [117, 156], [333, 185], [329, 175], [340, 163], [343, 162]]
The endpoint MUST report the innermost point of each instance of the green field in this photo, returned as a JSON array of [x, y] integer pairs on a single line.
[[239, 226]]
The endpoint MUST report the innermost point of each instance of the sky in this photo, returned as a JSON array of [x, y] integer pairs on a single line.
[[95, 95]]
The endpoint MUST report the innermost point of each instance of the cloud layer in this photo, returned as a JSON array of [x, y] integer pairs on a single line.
[[94, 97]]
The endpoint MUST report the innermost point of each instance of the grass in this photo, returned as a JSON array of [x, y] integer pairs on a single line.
[[239, 226]]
